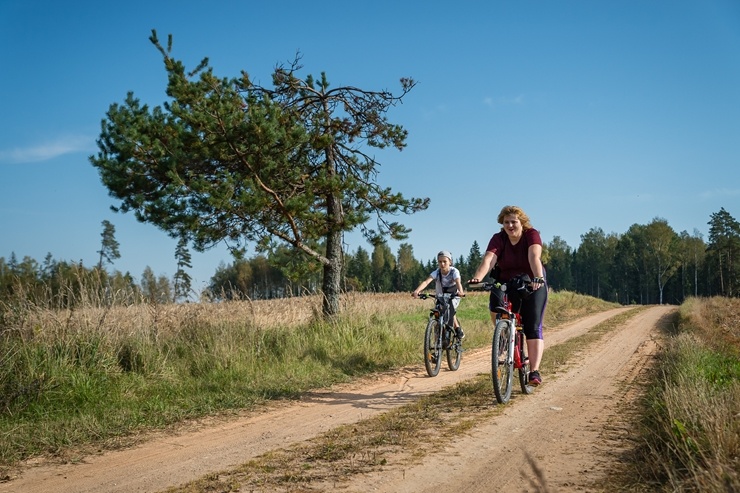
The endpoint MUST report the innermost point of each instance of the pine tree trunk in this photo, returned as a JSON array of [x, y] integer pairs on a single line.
[[332, 274]]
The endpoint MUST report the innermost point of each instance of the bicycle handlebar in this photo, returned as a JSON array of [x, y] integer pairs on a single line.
[[424, 296], [511, 284], [486, 286]]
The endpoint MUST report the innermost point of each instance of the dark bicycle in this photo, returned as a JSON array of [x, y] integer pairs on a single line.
[[509, 345], [440, 336]]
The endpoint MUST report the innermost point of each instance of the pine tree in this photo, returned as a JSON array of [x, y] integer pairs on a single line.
[[108, 246], [230, 160], [724, 251], [182, 278]]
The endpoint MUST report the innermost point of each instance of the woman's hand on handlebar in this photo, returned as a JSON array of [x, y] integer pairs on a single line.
[[476, 284]]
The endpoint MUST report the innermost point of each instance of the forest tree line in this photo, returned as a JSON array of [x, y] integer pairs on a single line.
[[647, 264]]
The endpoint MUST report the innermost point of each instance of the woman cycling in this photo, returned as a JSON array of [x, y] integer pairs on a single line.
[[517, 249]]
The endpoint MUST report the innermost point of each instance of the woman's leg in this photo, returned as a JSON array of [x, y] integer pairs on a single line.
[[533, 314], [535, 348]]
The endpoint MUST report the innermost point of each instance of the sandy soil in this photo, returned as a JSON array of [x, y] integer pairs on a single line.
[[567, 429]]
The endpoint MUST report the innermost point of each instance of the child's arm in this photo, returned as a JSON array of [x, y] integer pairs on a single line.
[[460, 291], [421, 286]]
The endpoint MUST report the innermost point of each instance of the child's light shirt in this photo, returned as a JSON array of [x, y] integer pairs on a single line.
[[447, 281]]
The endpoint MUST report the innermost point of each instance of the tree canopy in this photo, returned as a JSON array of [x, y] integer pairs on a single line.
[[229, 160]]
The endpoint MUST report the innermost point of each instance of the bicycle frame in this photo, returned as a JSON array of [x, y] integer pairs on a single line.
[[517, 340]]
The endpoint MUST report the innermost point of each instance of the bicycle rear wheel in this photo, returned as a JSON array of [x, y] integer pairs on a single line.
[[454, 352], [521, 346], [432, 349], [502, 361]]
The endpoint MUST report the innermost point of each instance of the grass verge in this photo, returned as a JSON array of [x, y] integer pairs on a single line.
[[92, 388], [688, 422]]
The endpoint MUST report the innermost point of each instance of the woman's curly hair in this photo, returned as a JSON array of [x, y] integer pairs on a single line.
[[517, 211]]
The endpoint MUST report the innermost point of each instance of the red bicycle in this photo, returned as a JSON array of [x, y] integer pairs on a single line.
[[509, 345]]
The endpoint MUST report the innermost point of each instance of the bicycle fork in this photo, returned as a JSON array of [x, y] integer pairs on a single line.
[[512, 355]]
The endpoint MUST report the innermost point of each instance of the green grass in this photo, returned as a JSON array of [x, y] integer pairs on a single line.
[[689, 420], [88, 387]]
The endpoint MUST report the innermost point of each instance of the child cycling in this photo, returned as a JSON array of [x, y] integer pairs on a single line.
[[448, 280]]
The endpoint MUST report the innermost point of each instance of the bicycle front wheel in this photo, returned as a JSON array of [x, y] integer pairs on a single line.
[[454, 352], [432, 348], [502, 361]]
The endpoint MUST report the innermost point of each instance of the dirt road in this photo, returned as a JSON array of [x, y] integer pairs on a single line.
[[560, 427]]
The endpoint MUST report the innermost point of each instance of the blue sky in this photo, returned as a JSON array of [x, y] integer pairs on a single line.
[[588, 114]]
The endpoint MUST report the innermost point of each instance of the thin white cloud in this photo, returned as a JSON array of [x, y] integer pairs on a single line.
[[720, 192], [434, 111], [48, 150], [493, 102]]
